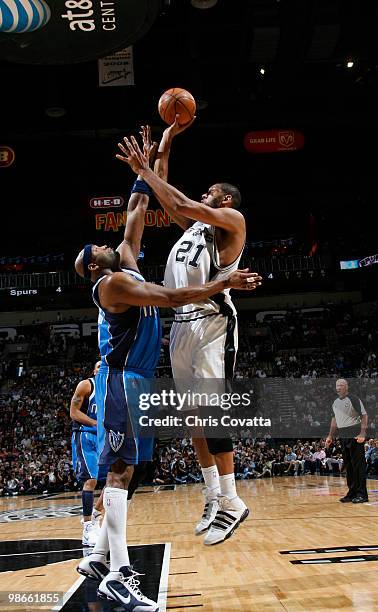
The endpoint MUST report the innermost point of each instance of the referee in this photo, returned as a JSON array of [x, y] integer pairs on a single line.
[[351, 420]]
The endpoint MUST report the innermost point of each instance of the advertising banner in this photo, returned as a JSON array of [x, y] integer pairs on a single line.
[[117, 70], [273, 141], [7, 156], [70, 31]]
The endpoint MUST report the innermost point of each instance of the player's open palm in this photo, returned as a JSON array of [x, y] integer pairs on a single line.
[[133, 155]]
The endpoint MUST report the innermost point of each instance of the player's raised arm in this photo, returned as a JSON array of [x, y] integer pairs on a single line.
[[172, 199], [161, 166], [82, 391], [162, 156], [120, 289], [129, 248]]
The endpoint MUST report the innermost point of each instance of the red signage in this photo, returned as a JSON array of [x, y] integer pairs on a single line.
[[7, 157], [112, 221], [108, 202], [273, 141]]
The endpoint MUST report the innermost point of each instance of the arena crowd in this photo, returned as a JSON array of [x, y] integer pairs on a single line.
[[35, 454]]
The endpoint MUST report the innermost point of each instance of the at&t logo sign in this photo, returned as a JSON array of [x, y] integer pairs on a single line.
[[20, 16]]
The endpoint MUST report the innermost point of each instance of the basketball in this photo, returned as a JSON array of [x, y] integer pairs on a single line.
[[177, 101]]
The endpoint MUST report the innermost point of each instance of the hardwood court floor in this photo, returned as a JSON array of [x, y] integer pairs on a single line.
[[246, 573]]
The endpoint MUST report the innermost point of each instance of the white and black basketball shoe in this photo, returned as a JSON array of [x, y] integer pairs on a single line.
[[93, 566], [123, 587], [230, 514], [209, 512]]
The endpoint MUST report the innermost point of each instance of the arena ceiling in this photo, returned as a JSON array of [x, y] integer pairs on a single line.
[[218, 53], [302, 46]]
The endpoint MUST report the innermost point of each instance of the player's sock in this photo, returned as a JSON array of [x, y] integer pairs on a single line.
[[115, 502], [87, 499], [101, 548], [211, 478], [228, 489], [96, 514]]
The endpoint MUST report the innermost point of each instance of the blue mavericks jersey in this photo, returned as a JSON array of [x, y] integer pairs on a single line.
[[130, 340], [89, 408]]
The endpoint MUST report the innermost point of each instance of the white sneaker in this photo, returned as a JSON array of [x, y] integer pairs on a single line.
[[229, 516], [209, 512], [123, 587], [90, 533], [97, 519], [94, 567]]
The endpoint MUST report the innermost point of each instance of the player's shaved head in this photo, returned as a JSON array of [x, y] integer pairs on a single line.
[[94, 260], [79, 264]]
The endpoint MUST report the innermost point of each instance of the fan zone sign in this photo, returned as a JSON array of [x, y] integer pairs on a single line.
[[113, 221], [70, 31]]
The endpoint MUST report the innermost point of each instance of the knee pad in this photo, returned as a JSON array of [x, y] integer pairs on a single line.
[[219, 445]]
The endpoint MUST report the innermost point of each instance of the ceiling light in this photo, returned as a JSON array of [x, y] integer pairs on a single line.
[[262, 70], [55, 111], [202, 104], [350, 64], [203, 4]]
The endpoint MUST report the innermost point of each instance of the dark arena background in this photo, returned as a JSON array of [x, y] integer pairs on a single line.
[[287, 94]]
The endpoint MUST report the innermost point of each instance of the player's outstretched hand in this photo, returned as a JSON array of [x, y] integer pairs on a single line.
[[177, 128], [244, 280], [133, 155]]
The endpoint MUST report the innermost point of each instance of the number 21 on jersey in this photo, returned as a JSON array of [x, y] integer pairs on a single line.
[[182, 254]]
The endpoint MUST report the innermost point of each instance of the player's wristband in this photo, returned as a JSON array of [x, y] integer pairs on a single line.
[[141, 186]]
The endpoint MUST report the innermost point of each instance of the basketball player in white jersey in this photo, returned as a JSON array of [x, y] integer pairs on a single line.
[[204, 335]]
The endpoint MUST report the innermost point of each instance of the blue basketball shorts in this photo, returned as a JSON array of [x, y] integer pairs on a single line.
[[119, 433], [85, 456]]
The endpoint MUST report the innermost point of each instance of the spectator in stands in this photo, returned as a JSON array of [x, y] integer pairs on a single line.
[[319, 458], [373, 459], [279, 463], [299, 463], [334, 460], [289, 460], [12, 487], [309, 460]]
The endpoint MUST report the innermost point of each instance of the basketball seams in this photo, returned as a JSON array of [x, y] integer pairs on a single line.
[[172, 104], [180, 103], [188, 110]]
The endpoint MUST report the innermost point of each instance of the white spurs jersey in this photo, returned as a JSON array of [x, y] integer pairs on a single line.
[[194, 261]]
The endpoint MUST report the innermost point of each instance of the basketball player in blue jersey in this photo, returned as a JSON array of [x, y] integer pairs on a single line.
[[129, 342], [210, 248], [83, 412]]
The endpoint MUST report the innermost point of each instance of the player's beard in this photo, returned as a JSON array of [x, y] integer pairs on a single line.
[[215, 202], [116, 263]]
